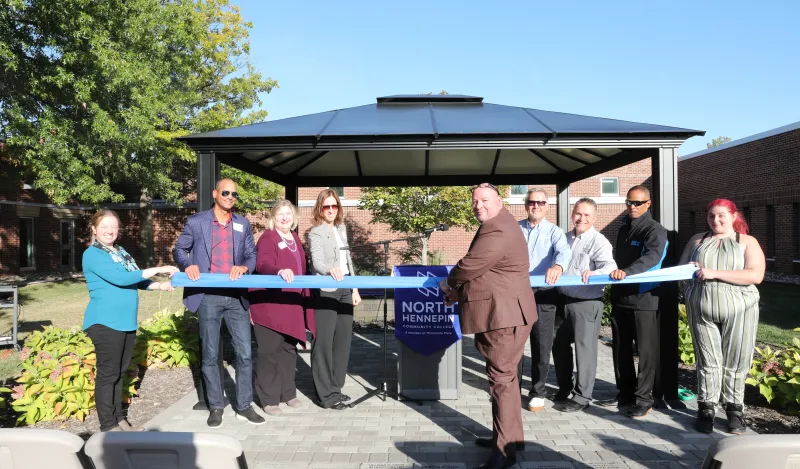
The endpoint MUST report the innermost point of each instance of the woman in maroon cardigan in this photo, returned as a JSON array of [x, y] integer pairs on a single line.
[[280, 317]]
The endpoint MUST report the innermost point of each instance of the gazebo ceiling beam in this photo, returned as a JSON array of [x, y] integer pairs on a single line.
[[619, 160], [569, 157], [546, 160], [409, 181]]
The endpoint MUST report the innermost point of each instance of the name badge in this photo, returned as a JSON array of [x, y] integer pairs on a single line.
[[238, 227], [282, 245]]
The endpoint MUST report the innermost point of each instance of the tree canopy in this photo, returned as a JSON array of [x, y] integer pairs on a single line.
[[715, 142], [93, 93]]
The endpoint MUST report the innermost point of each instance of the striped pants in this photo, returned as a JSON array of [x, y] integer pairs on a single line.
[[723, 320]]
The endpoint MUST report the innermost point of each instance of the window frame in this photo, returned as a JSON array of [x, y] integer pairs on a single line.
[[602, 180], [32, 255]]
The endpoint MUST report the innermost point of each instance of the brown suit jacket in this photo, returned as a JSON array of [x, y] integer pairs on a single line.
[[494, 289]]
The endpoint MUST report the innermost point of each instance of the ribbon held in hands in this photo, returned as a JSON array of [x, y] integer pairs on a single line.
[[682, 272]]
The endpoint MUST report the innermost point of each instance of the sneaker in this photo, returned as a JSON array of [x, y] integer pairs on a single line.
[[250, 415], [125, 426], [736, 423], [705, 417], [536, 404], [294, 403], [272, 410], [214, 418]]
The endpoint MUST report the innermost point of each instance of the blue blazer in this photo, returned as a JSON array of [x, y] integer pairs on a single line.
[[194, 248]]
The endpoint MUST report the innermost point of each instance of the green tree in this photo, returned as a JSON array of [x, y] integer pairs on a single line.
[[410, 210], [715, 142], [93, 93]]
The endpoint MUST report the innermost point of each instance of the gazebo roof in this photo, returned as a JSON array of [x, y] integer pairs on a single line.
[[434, 140]]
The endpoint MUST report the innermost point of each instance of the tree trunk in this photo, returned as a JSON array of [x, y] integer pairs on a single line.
[[146, 240], [424, 255]]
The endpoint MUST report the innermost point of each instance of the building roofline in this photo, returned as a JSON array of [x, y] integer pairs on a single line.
[[742, 141]]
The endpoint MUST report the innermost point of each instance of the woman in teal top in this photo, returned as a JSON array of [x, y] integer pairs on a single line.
[[113, 279]]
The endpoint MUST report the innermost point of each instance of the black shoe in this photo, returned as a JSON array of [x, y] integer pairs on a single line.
[[345, 398], [250, 415], [214, 418], [638, 411], [559, 397], [618, 401], [498, 461], [705, 417], [736, 423], [571, 406], [489, 443], [341, 405]]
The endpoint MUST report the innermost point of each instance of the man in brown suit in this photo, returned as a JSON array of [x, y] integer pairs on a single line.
[[492, 286]]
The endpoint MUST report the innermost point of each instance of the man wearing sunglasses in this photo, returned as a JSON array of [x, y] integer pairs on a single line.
[[641, 247], [219, 241], [548, 254]]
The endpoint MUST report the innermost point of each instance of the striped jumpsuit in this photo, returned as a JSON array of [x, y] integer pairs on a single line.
[[723, 319]]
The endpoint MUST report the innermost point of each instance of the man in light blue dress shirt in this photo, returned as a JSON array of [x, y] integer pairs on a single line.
[[549, 254]]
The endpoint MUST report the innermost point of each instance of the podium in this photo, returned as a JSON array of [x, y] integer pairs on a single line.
[[429, 338]]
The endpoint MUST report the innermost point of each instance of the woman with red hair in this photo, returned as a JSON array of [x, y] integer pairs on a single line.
[[722, 306]]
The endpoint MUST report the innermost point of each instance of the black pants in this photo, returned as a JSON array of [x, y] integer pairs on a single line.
[[330, 352], [113, 350], [642, 326], [275, 371], [542, 336]]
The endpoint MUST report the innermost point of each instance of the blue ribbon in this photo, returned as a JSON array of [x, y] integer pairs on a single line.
[[683, 272]]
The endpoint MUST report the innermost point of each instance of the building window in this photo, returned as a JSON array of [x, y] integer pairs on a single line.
[[26, 257], [339, 191], [771, 231], [609, 186], [796, 210], [67, 245], [519, 189]]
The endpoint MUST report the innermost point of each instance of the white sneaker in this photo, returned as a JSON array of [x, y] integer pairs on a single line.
[[536, 404]]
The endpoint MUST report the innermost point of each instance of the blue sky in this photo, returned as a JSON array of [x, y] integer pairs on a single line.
[[731, 68]]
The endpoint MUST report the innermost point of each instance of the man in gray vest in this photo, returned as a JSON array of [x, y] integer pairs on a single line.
[[582, 309]]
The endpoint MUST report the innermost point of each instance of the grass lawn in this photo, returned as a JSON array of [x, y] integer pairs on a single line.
[[62, 304], [780, 313]]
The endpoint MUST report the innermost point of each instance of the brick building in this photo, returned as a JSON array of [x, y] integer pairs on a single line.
[[759, 174], [37, 236]]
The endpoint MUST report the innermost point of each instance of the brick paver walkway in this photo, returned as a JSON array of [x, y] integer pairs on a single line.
[[402, 434]]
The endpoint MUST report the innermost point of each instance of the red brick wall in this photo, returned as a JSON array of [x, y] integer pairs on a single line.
[[753, 175]]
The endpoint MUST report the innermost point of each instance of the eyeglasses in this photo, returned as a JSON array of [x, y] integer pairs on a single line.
[[540, 203], [332, 208], [635, 203], [227, 193], [484, 185]]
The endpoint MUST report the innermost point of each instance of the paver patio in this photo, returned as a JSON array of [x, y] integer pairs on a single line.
[[404, 434]]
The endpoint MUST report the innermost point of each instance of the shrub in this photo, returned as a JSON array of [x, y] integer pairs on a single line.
[[685, 345], [606, 306], [777, 375], [58, 376], [167, 340]]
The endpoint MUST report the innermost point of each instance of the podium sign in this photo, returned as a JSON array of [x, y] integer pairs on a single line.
[[422, 321]]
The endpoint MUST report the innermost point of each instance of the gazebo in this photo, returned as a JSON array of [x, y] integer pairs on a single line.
[[428, 140]]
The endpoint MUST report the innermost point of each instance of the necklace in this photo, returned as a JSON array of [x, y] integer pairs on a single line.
[[289, 244]]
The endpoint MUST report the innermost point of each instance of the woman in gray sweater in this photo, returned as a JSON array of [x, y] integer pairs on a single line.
[[330, 351]]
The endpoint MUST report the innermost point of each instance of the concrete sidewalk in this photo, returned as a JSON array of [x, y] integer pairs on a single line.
[[403, 434]]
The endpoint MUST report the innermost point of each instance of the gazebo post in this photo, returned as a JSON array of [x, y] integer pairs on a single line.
[[291, 193], [207, 176], [665, 211], [562, 206]]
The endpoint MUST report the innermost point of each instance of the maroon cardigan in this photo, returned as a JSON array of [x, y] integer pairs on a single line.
[[287, 310]]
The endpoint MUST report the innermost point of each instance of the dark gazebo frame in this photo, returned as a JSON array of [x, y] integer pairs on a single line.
[[362, 146]]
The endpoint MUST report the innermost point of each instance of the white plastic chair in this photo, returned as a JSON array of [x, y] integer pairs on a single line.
[[39, 449], [165, 450], [753, 452]]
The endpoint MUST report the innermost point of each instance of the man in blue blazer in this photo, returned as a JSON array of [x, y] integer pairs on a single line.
[[220, 241]]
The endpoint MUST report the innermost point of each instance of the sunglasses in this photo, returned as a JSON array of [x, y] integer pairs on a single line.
[[333, 208], [540, 203], [635, 203], [227, 193], [484, 185]]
